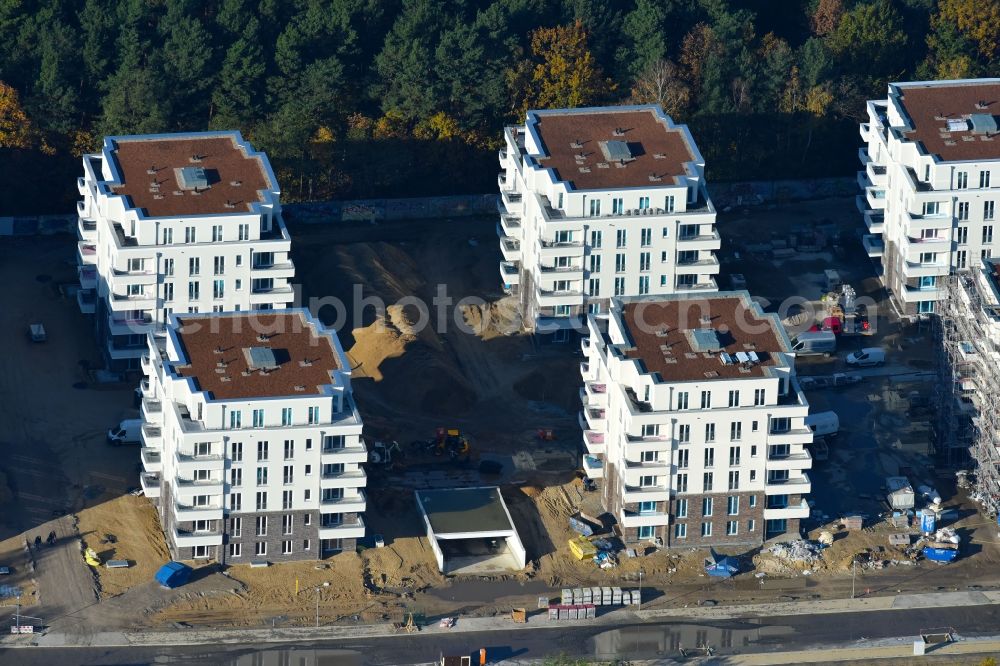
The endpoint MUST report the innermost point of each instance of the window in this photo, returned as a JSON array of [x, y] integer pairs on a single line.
[[244, 234], [734, 480], [732, 528], [288, 474], [706, 529], [751, 525], [709, 457], [219, 265], [168, 267], [988, 210], [620, 238], [258, 421], [168, 236], [928, 281], [286, 416], [286, 499], [752, 501], [287, 522], [709, 432], [736, 431], [236, 451], [194, 266], [647, 481], [261, 476], [682, 400], [593, 287], [707, 481], [646, 532], [961, 180], [733, 505], [753, 426], [984, 179], [134, 290], [706, 507], [643, 203], [617, 206], [289, 449], [963, 210], [217, 233], [706, 399], [261, 526], [680, 531], [961, 259], [595, 207], [925, 307], [668, 205], [681, 508], [235, 419], [646, 237], [988, 233], [734, 398], [286, 547], [684, 433], [260, 548], [734, 456], [782, 424], [201, 552], [683, 458], [595, 239], [644, 261], [620, 262], [314, 412], [682, 483], [758, 397], [309, 446], [235, 549], [235, 501], [305, 542], [235, 527], [236, 477], [189, 235], [931, 207], [262, 501], [595, 263], [261, 450], [646, 508], [307, 495], [619, 286], [218, 289], [643, 285], [194, 291]]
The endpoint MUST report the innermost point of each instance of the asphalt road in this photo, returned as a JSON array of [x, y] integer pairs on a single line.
[[654, 640]]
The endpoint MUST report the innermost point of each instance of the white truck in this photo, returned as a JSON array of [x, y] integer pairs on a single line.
[[126, 432], [823, 424]]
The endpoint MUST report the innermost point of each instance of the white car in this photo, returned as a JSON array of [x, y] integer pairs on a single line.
[[866, 357]]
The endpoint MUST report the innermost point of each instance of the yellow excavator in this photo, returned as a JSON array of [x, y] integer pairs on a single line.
[[452, 442]]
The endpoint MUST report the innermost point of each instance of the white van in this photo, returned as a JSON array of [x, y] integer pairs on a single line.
[[814, 342], [823, 423], [866, 357], [126, 432]]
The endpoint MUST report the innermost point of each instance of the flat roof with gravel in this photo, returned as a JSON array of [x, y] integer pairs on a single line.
[[457, 510], [953, 120]]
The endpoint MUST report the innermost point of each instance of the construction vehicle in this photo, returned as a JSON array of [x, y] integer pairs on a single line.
[[382, 453], [452, 442]]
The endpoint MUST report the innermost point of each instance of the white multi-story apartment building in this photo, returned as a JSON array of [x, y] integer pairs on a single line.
[[929, 194], [177, 223], [251, 441], [693, 420], [602, 202]]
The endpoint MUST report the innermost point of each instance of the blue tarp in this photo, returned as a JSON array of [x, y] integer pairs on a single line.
[[722, 567], [173, 574]]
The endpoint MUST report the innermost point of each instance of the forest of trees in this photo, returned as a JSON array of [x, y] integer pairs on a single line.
[[357, 98]]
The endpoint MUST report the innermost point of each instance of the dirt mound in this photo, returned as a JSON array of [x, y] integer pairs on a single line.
[[491, 320]]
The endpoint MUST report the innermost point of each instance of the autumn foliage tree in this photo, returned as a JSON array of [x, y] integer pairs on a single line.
[[563, 71], [15, 128]]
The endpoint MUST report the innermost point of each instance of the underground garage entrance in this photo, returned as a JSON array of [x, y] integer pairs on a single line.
[[470, 531]]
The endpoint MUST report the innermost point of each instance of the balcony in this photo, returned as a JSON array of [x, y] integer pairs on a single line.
[[593, 467], [86, 253], [863, 156], [875, 221], [88, 277], [796, 485], [187, 464], [151, 461], [86, 229], [645, 494], [634, 470], [86, 300], [502, 182], [147, 365], [549, 274], [83, 208], [186, 488], [916, 222], [349, 504], [634, 519], [121, 349], [873, 245], [792, 461], [81, 185], [595, 417], [597, 393], [283, 294], [348, 479], [912, 294], [550, 249], [150, 484], [281, 269], [865, 131], [875, 198], [152, 411], [593, 441], [691, 242], [790, 436], [509, 273], [502, 157], [131, 326], [800, 510], [510, 248], [551, 298], [510, 225], [185, 539], [924, 269], [352, 530], [513, 202], [184, 512], [918, 244], [876, 174], [702, 285], [702, 265], [151, 436], [126, 302], [344, 454]]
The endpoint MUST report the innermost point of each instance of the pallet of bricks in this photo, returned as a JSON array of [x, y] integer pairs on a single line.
[[581, 603]]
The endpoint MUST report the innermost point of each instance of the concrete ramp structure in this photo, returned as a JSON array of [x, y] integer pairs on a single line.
[[470, 531]]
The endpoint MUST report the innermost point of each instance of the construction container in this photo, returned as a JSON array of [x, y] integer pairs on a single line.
[[578, 595], [588, 595], [853, 522], [519, 615], [591, 611], [553, 612], [567, 596], [596, 596], [607, 596], [582, 549], [543, 602], [900, 496], [616, 596]]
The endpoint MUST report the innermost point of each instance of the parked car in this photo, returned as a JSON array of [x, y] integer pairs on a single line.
[[126, 432], [823, 423], [867, 357], [814, 342]]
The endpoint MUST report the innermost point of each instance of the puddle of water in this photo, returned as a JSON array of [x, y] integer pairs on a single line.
[[488, 590]]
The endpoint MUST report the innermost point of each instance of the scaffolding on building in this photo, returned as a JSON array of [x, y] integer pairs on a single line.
[[968, 392]]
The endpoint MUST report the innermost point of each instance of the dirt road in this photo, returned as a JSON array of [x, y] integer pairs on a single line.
[[66, 584]]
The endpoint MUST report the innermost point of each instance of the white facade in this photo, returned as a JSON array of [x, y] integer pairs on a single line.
[[568, 250], [665, 449], [136, 269], [929, 186], [217, 466]]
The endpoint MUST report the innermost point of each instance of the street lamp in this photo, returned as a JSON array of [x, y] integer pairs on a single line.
[[640, 588], [317, 608]]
